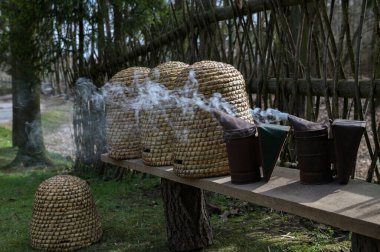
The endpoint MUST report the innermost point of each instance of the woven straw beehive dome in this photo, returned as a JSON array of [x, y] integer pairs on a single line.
[[64, 215], [166, 73], [201, 152], [123, 133], [156, 133]]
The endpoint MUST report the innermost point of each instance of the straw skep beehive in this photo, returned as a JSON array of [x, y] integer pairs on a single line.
[[201, 150], [123, 133], [64, 215], [156, 131]]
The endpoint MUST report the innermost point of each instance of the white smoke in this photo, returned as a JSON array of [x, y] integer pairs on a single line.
[[93, 99], [268, 116], [149, 95], [156, 73], [33, 131], [89, 93], [113, 89]]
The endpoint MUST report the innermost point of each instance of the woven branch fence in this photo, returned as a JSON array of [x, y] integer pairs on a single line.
[[314, 59]]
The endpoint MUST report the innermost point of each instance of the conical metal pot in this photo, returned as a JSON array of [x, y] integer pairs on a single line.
[[347, 135], [271, 139]]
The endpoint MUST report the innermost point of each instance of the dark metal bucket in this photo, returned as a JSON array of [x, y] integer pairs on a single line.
[[242, 148], [243, 155], [301, 125], [312, 151], [347, 135], [313, 157]]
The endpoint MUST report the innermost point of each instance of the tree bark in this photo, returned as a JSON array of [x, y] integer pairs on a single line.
[[27, 130], [80, 55], [105, 11], [117, 22], [360, 243], [100, 21], [187, 222], [57, 77]]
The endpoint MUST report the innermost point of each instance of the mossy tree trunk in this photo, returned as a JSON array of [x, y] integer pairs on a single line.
[[187, 222], [27, 130]]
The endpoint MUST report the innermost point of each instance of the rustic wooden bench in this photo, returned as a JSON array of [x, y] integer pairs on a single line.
[[354, 207]]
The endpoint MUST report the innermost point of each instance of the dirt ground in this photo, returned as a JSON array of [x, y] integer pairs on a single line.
[[57, 114], [60, 139]]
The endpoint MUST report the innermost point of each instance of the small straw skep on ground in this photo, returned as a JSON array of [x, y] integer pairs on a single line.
[[64, 215]]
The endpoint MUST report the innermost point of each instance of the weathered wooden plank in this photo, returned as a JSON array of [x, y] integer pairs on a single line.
[[354, 207], [346, 88]]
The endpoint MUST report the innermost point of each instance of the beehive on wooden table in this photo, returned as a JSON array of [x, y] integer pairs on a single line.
[[156, 131], [123, 132], [200, 151]]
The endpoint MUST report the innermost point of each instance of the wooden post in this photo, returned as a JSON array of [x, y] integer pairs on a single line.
[[361, 243], [187, 222]]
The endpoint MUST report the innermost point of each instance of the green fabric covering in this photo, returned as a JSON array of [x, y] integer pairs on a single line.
[[271, 139]]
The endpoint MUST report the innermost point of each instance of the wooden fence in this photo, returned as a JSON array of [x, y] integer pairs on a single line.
[[315, 59]]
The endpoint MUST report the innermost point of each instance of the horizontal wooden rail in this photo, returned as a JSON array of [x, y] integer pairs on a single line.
[[354, 207], [345, 88]]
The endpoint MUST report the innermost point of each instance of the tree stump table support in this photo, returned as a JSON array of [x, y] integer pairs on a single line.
[[187, 222], [361, 243]]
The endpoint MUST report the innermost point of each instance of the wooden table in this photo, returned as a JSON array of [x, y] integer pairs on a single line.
[[354, 207]]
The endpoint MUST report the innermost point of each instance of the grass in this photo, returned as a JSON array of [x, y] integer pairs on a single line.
[[52, 119], [132, 216], [5, 137]]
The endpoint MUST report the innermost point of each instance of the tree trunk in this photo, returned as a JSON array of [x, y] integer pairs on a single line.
[[362, 243], [101, 35], [81, 37], [27, 115], [27, 130], [106, 16], [16, 122], [74, 50], [57, 77], [117, 23], [187, 222], [178, 4]]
